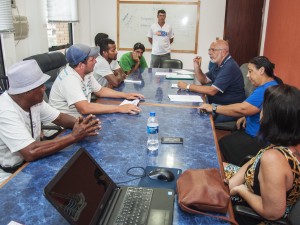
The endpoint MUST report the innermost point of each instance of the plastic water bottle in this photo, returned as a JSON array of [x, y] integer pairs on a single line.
[[152, 130]]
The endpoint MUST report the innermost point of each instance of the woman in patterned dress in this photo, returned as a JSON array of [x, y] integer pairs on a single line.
[[270, 182]]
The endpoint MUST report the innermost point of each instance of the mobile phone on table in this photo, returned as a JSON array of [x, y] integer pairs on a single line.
[[172, 140]]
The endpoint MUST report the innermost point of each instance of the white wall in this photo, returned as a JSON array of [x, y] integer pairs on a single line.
[[101, 16]]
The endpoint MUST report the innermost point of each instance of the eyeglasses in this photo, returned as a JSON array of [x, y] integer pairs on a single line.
[[214, 49]]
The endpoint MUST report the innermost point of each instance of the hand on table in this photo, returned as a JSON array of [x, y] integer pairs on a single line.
[[88, 126]]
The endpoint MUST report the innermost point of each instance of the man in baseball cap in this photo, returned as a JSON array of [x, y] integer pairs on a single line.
[[21, 113], [73, 87]]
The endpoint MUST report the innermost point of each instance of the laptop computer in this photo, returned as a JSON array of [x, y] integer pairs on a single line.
[[84, 194]]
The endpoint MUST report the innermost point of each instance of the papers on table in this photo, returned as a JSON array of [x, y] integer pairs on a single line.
[[185, 98], [183, 75], [184, 72], [133, 81], [174, 86], [165, 74], [133, 102]]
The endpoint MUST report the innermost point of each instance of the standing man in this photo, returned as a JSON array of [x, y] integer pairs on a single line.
[[107, 71], [132, 61], [72, 89], [21, 113], [225, 79], [161, 36]]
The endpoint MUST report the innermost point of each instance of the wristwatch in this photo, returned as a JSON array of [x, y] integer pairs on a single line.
[[214, 108], [187, 87]]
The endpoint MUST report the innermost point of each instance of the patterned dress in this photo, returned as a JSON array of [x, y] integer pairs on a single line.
[[251, 176]]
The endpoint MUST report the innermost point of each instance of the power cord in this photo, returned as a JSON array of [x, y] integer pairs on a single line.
[[134, 174]]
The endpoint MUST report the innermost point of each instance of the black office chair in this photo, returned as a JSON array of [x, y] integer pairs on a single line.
[[50, 63], [249, 88], [4, 85], [172, 63], [292, 219]]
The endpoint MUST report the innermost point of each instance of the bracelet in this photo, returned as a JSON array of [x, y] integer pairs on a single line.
[[187, 87]]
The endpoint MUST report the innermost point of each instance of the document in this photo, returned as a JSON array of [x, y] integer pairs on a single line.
[[184, 72], [185, 98], [174, 86], [165, 74], [133, 81], [133, 102]]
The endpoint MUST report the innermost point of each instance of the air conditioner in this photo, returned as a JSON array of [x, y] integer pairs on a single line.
[[21, 27]]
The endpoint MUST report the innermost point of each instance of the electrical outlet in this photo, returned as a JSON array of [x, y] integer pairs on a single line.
[[13, 4]]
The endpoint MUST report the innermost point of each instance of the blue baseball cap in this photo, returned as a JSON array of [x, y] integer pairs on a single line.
[[79, 52]]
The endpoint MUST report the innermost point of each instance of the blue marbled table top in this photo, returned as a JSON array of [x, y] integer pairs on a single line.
[[120, 145]]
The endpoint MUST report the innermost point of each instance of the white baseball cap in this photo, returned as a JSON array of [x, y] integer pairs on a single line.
[[24, 76]]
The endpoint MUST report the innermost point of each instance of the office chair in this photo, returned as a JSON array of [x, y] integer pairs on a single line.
[[172, 63], [249, 88], [292, 219], [50, 63], [4, 85]]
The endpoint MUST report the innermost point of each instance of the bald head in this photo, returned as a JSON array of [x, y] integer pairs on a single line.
[[222, 44]]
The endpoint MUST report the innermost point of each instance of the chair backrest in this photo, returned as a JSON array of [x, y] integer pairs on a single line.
[[172, 63], [50, 63], [3, 84], [249, 88]]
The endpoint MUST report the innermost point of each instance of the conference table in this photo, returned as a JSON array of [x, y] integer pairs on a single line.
[[120, 145]]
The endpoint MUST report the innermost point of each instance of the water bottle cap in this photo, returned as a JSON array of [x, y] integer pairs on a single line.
[[152, 113]]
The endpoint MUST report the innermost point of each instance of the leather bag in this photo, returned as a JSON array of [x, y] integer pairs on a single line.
[[203, 190]]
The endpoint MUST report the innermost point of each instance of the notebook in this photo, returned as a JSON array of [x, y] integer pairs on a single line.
[[84, 194]]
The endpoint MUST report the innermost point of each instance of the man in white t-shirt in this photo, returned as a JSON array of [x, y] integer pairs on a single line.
[[23, 111], [107, 71], [72, 89], [161, 36]]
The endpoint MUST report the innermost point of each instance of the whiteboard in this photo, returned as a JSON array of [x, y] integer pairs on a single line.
[[135, 19]]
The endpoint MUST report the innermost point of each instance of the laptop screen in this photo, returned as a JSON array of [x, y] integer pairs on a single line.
[[80, 189]]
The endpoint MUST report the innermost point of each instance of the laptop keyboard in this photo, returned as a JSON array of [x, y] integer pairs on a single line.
[[135, 208]]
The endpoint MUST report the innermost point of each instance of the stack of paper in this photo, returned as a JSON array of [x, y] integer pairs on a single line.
[[185, 98], [184, 72], [165, 74], [133, 81], [133, 102]]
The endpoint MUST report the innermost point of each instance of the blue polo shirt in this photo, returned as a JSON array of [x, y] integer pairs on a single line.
[[228, 79], [256, 99]]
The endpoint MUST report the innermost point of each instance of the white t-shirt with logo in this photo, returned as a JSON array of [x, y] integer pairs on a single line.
[[69, 88], [160, 38]]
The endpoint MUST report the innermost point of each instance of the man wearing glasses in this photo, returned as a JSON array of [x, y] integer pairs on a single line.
[[132, 61], [223, 83]]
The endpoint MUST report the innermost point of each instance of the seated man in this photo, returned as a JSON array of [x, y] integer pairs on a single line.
[[226, 79], [23, 110], [107, 71], [72, 89], [132, 61]]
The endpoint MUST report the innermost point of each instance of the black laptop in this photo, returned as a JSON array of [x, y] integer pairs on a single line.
[[84, 194]]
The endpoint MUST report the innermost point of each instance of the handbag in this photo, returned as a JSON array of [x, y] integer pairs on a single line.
[[203, 190]]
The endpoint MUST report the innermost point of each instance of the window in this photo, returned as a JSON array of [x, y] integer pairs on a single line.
[[59, 35]]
